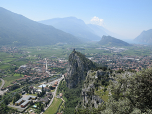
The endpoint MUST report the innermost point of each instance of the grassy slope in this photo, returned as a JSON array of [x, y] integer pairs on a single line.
[[103, 95], [53, 108]]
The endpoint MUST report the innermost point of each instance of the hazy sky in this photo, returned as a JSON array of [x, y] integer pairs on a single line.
[[124, 17]]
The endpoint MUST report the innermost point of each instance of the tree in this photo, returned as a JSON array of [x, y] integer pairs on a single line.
[[16, 97], [42, 107], [31, 103], [30, 92], [26, 89], [3, 108], [14, 100], [38, 95]]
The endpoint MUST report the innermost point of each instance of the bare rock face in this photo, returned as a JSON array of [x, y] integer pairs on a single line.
[[89, 97], [78, 65]]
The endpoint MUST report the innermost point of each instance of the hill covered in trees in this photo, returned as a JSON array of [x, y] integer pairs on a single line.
[[111, 41]]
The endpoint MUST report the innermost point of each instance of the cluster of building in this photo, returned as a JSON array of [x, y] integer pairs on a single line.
[[118, 61], [113, 49], [10, 49], [60, 63], [24, 101], [36, 72], [40, 67]]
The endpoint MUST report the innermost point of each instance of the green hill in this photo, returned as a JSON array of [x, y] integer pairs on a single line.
[[111, 41], [18, 30]]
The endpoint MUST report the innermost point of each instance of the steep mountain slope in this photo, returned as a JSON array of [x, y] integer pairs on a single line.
[[74, 26], [19, 30], [145, 37], [111, 41], [77, 69]]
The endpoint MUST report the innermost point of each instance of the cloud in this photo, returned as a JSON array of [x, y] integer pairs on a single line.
[[95, 20]]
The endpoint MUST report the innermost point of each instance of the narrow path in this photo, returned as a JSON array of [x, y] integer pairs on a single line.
[[54, 94], [3, 82], [62, 99]]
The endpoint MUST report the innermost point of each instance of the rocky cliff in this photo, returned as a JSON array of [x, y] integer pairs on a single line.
[[89, 96], [78, 66]]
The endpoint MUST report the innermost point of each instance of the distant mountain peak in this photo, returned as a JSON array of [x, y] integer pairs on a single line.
[[145, 37], [74, 26]]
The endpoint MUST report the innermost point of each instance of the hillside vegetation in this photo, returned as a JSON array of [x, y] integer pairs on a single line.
[[111, 41], [130, 94]]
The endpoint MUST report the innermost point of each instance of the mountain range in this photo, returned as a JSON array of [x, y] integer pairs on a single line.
[[77, 27], [91, 32], [18, 30]]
